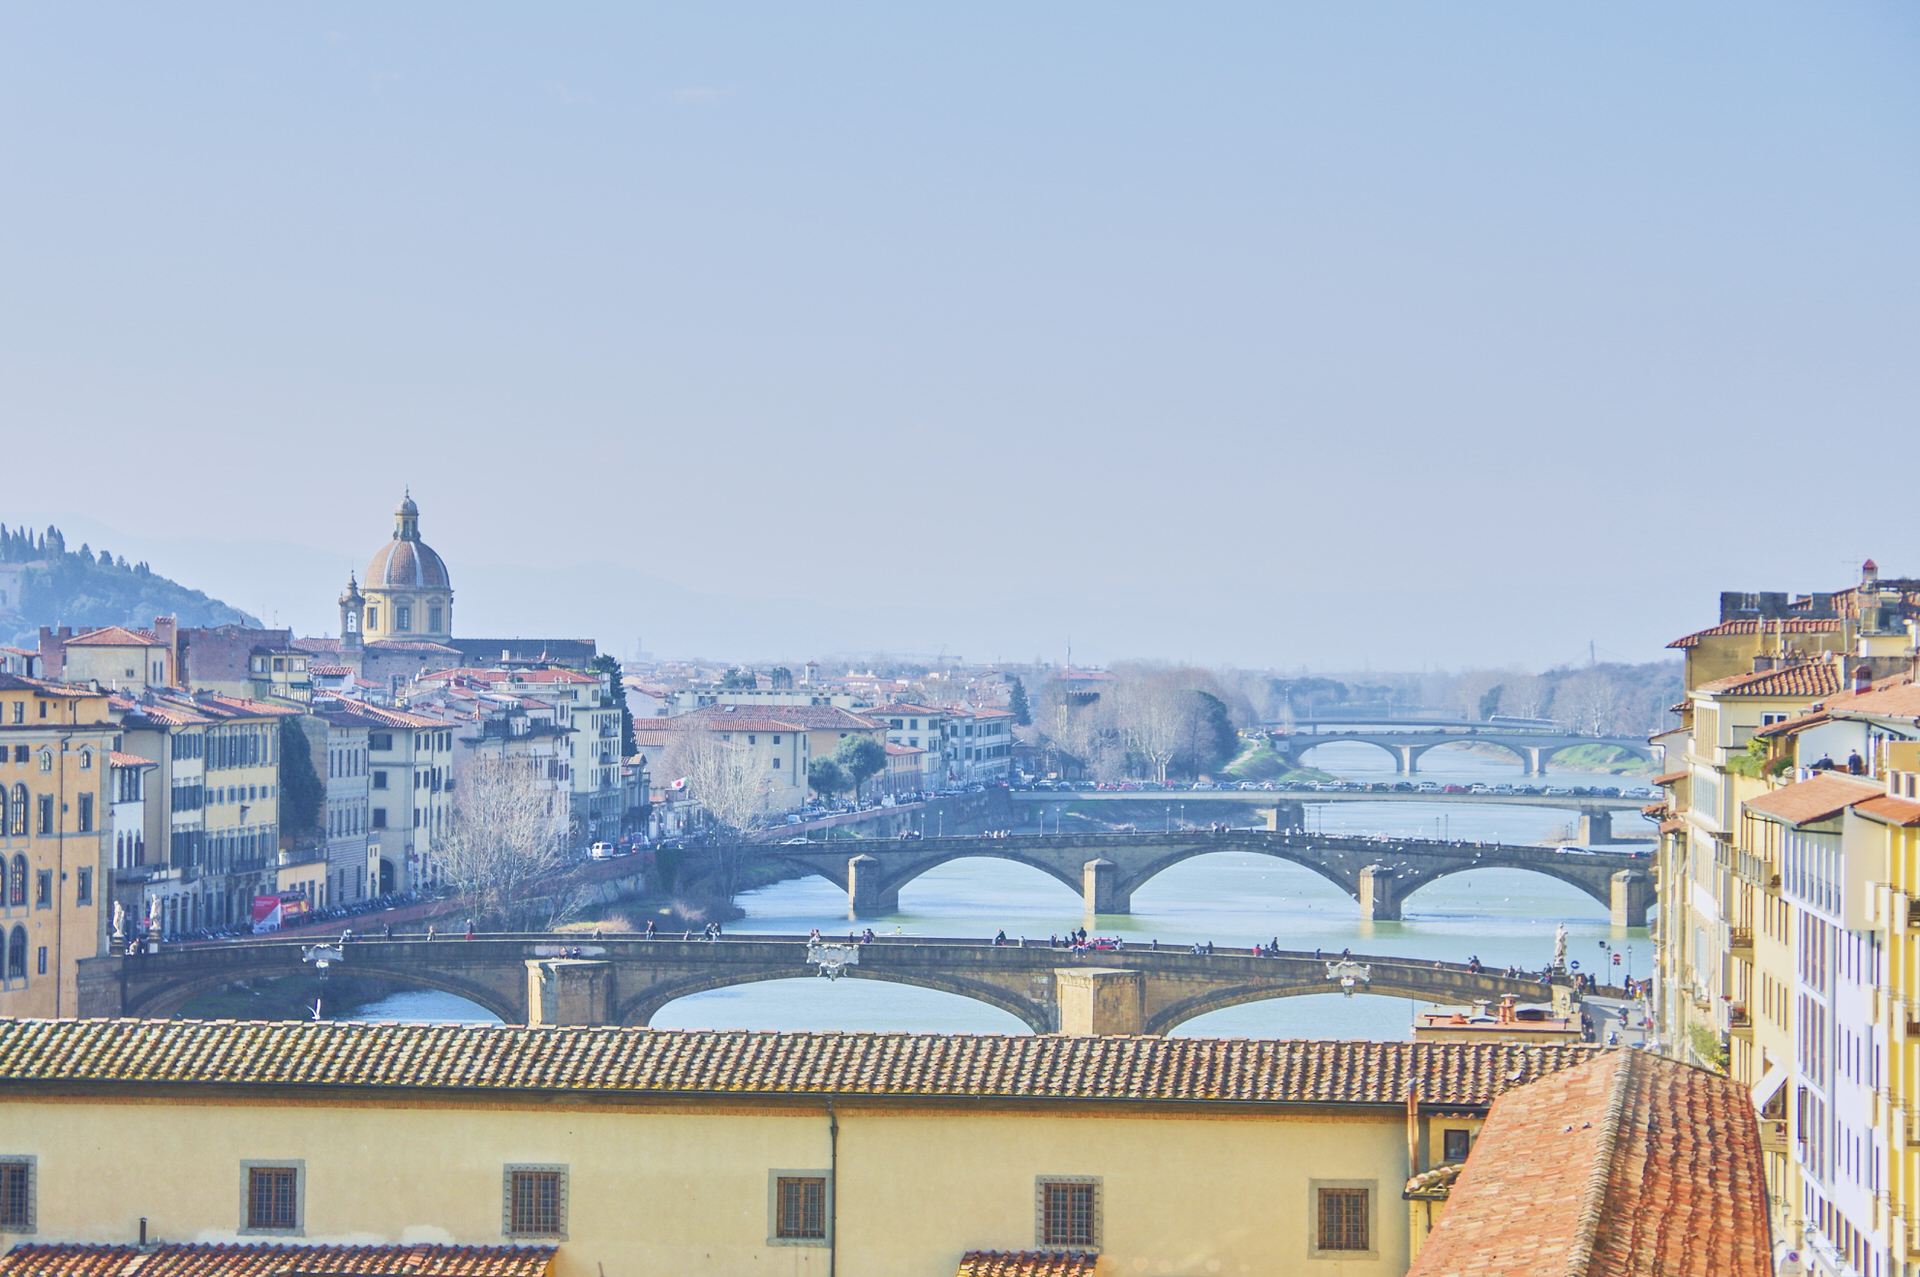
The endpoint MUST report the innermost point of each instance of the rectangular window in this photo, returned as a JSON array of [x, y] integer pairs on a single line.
[[379, 780], [43, 959], [43, 889], [86, 813], [379, 817], [273, 1197], [1067, 1212], [46, 813], [536, 1204], [1343, 1219], [801, 1208], [1456, 1145], [84, 894], [16, 1194]]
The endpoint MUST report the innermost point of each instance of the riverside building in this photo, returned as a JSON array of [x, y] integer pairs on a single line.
[[1785, 948]]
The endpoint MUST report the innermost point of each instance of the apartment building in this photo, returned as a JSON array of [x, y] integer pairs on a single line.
[[1786, 871], [409, 760], [55, 778], [340, 746]]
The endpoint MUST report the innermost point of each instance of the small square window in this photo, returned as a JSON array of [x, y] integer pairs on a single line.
[[1456, 1143], [1067, 1212], [16, 1194], [84, 892], [271, 1197], [536, 1202], [799, 1207], [1343, 1225], [802, 1208]]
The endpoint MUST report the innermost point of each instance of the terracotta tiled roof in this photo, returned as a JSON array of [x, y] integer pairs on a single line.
[[1630, 1164], [707, 1062], [1026, 1263], [410, 645], [1672, 826], [119, 759], [374, 714], [1654, 809], [115, 636], [1893, 811], [329, 671], [274, 1261], [1797, 625], [1826, 795], [896, 751], [902, 707], [798, 718], [1805, 678], [1669, 778]]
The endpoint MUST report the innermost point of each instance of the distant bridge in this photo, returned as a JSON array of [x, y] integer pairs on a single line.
[[1532, 748], [1583, 803], [1378, 873], [561, 979]]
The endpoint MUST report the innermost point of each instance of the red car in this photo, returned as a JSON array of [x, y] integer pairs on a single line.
[[1454, 789]]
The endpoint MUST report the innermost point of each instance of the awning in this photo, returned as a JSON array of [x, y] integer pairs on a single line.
[[1769, 1085]]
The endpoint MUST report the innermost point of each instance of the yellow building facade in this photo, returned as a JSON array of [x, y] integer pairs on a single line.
[[848, 1154], [58, 741]]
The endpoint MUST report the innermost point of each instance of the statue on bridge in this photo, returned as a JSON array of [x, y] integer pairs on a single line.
[[831, 959], [1560, 947], [1350, 974]]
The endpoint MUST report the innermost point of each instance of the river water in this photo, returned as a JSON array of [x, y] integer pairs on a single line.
[[1504, 916]]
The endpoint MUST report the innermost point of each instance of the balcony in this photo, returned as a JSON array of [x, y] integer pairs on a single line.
[[1740, 940], [1773, 1135]]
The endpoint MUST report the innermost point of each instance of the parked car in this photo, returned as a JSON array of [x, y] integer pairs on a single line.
[[602, 851]]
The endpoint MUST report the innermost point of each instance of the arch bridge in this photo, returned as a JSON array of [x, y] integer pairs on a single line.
[[538, 980], [1533, 749], [1378, 873]]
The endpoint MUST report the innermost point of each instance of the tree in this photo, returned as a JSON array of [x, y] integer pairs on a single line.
[[608, 668], [721, 776], [1017, 702], [508, 838], [1490, 701], [826, 777], [1209, 739], [301, 790], [737, 679], [861, 758], [781, 678]]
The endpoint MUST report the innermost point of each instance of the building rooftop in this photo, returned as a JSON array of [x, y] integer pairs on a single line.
[[1804, 678], [1629, 1164], [248, 1054], [1027, 1263], [1788, 625], [1821, 798], [116, 636], [265, 1260]]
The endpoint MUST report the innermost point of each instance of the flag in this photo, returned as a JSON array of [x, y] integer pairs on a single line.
[[679, 784]]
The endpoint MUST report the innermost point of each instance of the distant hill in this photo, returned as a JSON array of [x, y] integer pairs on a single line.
[[44, 583]]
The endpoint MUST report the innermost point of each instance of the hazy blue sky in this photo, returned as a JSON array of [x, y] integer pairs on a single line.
[[1274, 334]]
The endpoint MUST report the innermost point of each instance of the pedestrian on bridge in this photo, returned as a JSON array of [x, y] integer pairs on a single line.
[[650, 929], [469, 928]]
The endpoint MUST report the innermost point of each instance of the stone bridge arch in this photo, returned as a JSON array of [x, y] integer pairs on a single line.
[[166, 998], [1387, 981], [1121, 898], [639, 1009], [1305, 745]]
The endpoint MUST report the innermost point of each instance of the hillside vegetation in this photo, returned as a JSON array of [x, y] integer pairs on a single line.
[[58, 586]]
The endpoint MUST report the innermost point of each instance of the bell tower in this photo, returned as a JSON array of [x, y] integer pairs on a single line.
[[352, 609]]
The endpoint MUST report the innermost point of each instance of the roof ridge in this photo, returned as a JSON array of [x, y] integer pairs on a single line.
[[1593, 1197]]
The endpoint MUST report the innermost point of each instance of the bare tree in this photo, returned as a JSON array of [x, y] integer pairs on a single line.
[[721, 776], [506, 846]]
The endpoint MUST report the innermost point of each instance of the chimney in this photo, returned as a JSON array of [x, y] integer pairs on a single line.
[[1506, 1008], [1862, 678], [1869, 573]]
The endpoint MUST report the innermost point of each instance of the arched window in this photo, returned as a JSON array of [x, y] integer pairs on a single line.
[[3, 828], [17, 818], [17, 955], [17, 889], [4, 896]]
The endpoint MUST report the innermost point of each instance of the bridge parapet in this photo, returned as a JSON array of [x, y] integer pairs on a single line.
[[628, 979]]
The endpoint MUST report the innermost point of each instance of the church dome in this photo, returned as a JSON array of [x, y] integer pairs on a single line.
[[406, 562]]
